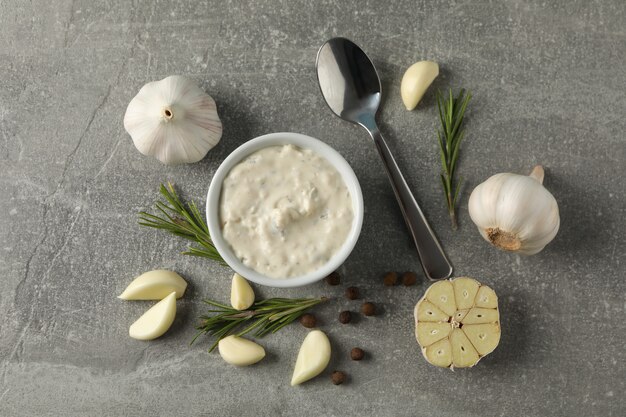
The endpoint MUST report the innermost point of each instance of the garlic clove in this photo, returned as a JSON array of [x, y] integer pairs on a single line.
[[460, 315], [154, 285], [486, 297], [464, 355], [241, 293], [173, 120], [156, 321], [429, 333], [416, 80], [439, 353], [426, 311], [441, 294], [313, 357], [239, 351], [479, 315], [465, 290], [484, 337]]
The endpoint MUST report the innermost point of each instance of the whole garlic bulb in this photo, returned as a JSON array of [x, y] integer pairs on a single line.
[[173, 120], [515, 212]]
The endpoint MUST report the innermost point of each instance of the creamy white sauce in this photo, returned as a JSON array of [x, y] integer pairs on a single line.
[[285, 211]]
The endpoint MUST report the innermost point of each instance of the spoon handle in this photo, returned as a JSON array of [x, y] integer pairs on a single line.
[[434, 261]]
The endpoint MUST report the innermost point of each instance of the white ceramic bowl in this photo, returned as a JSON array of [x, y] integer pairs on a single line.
[[302, 141]]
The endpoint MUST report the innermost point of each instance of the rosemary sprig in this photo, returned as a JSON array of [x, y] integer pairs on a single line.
[[183, 220], [266, 316], [451, 112]]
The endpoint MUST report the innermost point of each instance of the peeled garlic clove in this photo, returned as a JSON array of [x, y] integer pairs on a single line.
[[441, 294], [239, 351], [439, 353], [426, 311], [486, 297], [313, 357], [484, 337], [241, 293], [173, 120], [470, 332], [465, 290], [156, 321], [460, 315], [154, 285], [514, 212], [464, 354], [429, 333], [416, 81], [479, 315]]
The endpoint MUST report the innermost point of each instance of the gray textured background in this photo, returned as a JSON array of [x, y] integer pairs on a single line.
[[548, 80]]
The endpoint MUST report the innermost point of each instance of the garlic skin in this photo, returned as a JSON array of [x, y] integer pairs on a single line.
[[515, 212], [173, 120], [416, 80]]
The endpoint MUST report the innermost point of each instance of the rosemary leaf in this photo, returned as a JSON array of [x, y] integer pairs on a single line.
[[451, 113], [263, 317], [183, 220]]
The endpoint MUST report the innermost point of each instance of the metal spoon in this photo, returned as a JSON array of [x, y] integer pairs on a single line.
[[351, 87]]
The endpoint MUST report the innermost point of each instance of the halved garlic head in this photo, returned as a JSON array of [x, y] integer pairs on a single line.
[[241, 293], [313, 357], [154, 285], [416, 81], [156, 321], [457, 322], [239, 351]]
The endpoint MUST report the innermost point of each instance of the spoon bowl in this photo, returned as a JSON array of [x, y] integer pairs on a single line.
[[351, 87], [358, 90]]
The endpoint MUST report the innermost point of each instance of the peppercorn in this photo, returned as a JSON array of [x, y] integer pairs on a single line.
[[368, 309], [390, 279], [357, 354], [352, 293], [338, 377], [345, 317], [308, 320], [409, 278], [333, 279]]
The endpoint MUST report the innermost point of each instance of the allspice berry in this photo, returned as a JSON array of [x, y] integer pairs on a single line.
[[409, 278], [356, 354], [333, 279], [338, 377], [345, 317], [308, 320], [368, 309], [352, 293], [390, 279]]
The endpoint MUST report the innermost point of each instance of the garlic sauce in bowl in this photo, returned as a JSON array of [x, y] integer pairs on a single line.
[[284, 210]]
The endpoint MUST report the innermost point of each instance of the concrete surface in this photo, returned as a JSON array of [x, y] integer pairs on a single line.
[[549, 87]]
